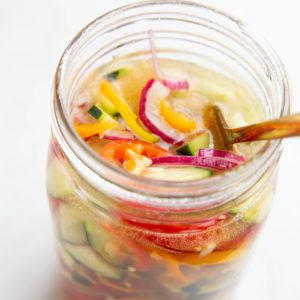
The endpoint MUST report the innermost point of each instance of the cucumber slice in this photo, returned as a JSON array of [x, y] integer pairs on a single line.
[[101, 116], [98, 239], [108, 106], [104, 103], [95, 112], [116, 74], [254, 214], [74, 270], [71, 226], [59, 183], [90, 259], [193, 146], [177, 174]]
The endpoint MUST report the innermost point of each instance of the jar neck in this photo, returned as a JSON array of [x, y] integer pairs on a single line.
[[98, 43]]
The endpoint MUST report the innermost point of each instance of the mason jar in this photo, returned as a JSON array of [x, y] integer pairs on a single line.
[[120, 236]]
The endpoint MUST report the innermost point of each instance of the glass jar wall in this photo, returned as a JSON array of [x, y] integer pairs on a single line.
[[120, 236]]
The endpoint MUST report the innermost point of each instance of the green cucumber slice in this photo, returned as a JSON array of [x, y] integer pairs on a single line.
[[107, 105], [59, 183], [103, 102], [193, 146], [95, 112], [90, 259], [73, 270], [255, 213], [177, 174], [71, 226], [101, 116], [99, 239], [116, 74]]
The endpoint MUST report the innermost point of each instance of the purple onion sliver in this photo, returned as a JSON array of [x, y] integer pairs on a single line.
[[115, 135], [176, 84], [228, 155], [213, 163]]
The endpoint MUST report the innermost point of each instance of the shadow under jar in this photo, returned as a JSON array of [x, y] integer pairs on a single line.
[[121, 236]]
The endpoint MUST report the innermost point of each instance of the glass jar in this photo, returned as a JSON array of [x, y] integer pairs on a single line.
[[120, 236]]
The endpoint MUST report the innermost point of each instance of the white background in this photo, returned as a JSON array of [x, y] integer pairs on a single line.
[[33, 34]]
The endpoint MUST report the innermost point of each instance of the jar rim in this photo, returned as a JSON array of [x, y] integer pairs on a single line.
[[141, 189]]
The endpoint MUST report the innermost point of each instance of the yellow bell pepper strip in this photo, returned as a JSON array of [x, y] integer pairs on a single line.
[[127, 114], [176, 119], [88, 130]]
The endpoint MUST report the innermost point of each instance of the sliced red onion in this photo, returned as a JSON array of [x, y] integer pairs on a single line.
[[149, 112], [228, 155], [155, 62], [171, 84], [115, 135], [81, 117], [213, 163], [176, 84], [78, 110]]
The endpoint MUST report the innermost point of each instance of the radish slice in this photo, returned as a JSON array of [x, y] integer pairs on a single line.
[[115, 135], [149, 113], [231, 156], [213, 163], [171, 84]]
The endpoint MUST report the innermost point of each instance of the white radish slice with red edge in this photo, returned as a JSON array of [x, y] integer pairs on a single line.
[[115, 135], [149, 112], [212, 163], [171, 84]]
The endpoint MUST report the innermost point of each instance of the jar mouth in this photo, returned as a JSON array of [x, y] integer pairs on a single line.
[[123, 185]]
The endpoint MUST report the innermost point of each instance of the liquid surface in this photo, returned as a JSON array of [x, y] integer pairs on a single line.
[[170, 114]]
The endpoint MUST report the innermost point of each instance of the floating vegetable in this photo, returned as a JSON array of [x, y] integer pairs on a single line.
[[213, 163], [105, 122], [200, 141], [176, 119], [175, 85], [119, 135], [116, 74], [116, 150], [136, 163], [88, 130], [171, 84], [102, 102], [227, 155], [127, 114], [177, 174], [149, 113]]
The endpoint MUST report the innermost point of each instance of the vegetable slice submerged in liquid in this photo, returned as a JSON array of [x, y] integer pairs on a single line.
[[127, 114]]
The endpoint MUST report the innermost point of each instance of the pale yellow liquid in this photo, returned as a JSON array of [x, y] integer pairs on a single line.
[[239, 104]]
